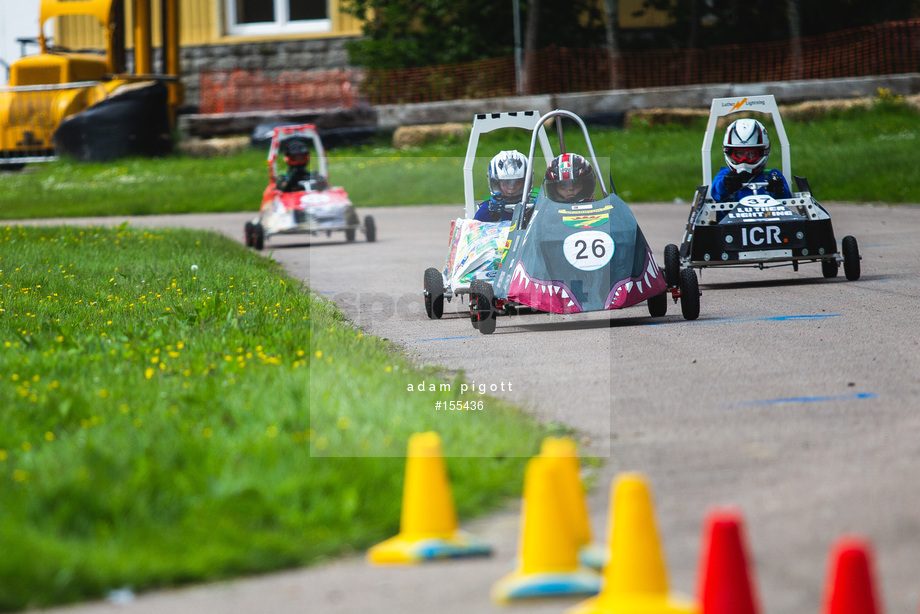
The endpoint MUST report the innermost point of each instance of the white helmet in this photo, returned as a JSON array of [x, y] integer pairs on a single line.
[[746, 146], [506, 173]]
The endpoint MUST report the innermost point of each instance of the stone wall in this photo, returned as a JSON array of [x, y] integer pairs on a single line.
[[271, 57]]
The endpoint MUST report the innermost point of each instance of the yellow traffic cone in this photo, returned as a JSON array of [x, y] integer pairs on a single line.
[[428, 521], [548, 560], [565, 451], [635, 579]]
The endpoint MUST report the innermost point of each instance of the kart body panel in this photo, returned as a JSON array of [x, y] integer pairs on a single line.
[[572, 258], [475, 251]]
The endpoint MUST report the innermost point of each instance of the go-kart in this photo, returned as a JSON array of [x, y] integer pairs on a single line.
[[475, 247], [314, 208], [758, 230], [569, 258]]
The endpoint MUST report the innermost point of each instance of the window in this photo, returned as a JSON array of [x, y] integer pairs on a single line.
[[259, 17]]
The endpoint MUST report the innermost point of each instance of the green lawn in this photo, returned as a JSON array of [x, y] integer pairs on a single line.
[[176, 409]]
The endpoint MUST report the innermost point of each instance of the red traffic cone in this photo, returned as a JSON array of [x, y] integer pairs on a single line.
[[850, 579], [725, 586]]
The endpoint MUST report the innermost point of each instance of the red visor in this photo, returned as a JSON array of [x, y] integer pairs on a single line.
[[748, 155]]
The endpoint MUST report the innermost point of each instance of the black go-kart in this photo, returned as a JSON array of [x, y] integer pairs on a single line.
[[758, 230]]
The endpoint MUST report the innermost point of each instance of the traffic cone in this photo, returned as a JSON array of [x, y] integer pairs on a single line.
[[635, 579], [428, 521], [565, 452], [548, 559], [849, 587], [725, 585]]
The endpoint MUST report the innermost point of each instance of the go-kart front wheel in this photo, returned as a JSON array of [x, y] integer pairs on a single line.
[[482, 306], [370, 229], [434, 293], [671, 265], [658, 305], [829, 268], [689, 294], [258, 236], [247, 234], [349, 234], [850, 249]]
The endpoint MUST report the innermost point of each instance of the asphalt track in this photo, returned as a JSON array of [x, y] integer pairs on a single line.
[[793, 398]]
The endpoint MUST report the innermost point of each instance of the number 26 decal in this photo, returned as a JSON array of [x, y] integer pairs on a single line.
[[588, 250]]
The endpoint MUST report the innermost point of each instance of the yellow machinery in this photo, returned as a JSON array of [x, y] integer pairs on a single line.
[[44, 111]]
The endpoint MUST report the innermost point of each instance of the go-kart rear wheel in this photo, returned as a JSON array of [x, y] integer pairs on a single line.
[[258, 236], [349, 234], [482, 306], [370, 229], [671, 265], [850, 249], [658, 305], [689, 294], [829, 267], [434, 293], [247, 234]]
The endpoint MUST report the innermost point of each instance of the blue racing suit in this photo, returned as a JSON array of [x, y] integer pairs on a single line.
[[774, 178], [494, 210]]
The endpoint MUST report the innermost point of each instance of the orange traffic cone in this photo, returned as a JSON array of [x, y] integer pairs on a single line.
[[849, 587], [725, 584], [635, 579], [564, 451], [548, 561], [428, 521]]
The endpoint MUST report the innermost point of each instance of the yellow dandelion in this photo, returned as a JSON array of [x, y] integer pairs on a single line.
[[272, 431], [148, 373], [343, 423], [318, 353], [3, 455], [26, 446]]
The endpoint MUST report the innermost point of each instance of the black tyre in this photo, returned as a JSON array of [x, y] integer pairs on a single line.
[[830, 267], [258, 237], [671, 265], [350, 234], [434, 293], [689, 294], [850, 249], [658, 305], [482, 306], [247, 234], [370, 229]]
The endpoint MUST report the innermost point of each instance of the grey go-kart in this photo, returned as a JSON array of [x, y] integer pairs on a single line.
[[758, 230], [568, 258]]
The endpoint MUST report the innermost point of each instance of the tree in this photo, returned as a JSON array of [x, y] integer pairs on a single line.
[[413, 33]]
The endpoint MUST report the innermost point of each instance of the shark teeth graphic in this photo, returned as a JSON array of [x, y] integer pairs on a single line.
[[550, 296], [641, 287]]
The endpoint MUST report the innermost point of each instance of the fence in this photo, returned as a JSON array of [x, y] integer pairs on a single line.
[[890, 48]]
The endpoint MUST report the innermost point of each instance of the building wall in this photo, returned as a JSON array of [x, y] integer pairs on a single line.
[[206, 43]]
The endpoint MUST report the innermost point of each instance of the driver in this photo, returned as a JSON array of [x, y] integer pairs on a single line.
[[297, 157], [506, 174], [747, 147], [570, 179]]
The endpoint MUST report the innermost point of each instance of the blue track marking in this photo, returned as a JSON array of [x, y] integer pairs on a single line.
[[856, 396], [440, 339], [741, 320]]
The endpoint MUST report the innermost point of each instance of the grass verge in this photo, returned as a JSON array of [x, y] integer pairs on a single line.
[[161, 394]]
